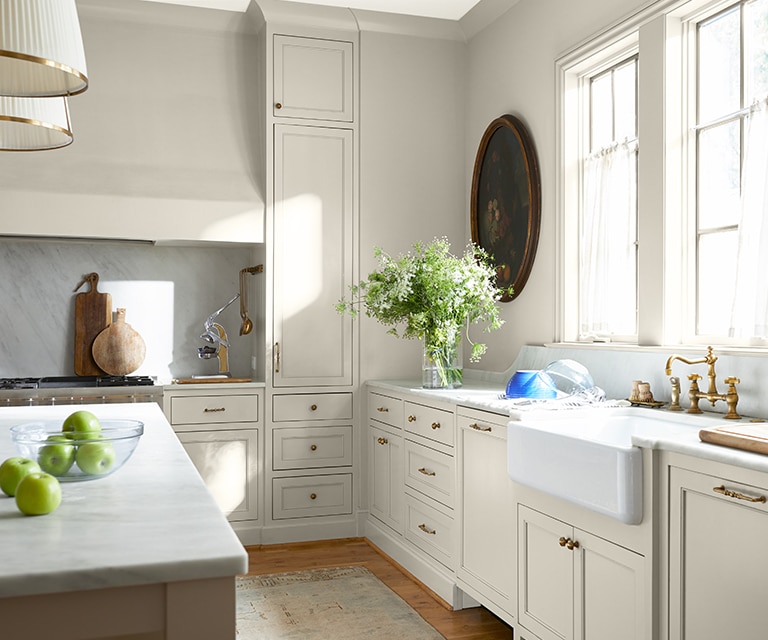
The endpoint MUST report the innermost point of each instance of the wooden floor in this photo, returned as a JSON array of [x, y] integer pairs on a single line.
[[469, 624]]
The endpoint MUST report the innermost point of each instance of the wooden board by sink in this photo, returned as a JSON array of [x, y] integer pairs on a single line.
[[749, 437]]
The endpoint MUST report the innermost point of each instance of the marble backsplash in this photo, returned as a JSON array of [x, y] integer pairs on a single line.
[[167, 292]]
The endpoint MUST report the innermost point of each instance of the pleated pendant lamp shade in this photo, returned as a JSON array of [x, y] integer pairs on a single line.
[[41, 49], [34, 124]]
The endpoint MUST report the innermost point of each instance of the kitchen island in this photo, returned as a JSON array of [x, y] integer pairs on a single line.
[[142, 554]]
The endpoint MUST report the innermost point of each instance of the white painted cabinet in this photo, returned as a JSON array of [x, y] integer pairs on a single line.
[[574, 585], [385, 460], [313, 78], [488, 551], [312, 255], [718, 568], [220, 430]]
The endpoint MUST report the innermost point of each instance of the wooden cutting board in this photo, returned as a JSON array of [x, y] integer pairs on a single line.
[[119, 349], [93, 313], [752, 436]]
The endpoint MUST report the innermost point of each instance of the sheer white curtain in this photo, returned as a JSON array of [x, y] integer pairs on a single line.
[[608, 292], [749, 316]]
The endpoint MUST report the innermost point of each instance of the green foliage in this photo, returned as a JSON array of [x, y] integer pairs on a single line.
[[430, 294]]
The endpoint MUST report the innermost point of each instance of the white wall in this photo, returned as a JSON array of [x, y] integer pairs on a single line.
[[412, 174], [511, 69]]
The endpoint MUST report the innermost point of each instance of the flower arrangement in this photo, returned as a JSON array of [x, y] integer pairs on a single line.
[[432, 295]]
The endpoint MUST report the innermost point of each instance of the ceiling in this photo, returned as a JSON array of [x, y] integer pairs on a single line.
[[446, 9]]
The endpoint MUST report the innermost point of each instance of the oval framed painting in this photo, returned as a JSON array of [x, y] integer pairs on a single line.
[[506, 201]]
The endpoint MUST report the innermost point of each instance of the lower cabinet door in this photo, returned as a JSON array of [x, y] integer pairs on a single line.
[[574, 585], [306, 496], [718, 574], [228, 462], [385, 464], [545, 575]]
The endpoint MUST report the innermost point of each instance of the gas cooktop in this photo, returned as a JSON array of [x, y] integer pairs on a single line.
[[75, 381]]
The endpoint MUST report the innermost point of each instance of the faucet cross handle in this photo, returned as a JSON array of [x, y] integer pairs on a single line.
[[694, 377], [732, 380]]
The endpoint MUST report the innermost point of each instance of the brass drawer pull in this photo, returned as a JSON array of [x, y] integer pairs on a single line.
[[435, 425], [277, 357], [568, 543], [278, 105], [426, 529], [312, 496], [477, 427], [313, 447], [736, 494], [313, 407], [382, 440], [411, 418], [214, 410], [426, 473], [382, 409]]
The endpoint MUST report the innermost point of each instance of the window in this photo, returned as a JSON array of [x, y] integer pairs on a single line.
[[691, 261], [608, 221], [731, 80]]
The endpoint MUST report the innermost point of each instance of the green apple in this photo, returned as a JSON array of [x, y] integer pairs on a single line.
[[95, 458], [81, 425], [13, 470], [58, 457], [38, 493]]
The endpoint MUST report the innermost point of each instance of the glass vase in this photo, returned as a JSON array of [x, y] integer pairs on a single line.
[[442, 366]]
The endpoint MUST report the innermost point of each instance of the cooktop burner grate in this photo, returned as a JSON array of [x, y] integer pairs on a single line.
[[53, 382]]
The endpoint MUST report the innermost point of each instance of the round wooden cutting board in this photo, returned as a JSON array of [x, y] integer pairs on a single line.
[[119, 349]]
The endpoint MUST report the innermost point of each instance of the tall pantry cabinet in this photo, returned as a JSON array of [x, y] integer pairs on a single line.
[[311, 224]]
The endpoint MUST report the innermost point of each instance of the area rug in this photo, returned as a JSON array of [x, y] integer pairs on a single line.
[[344, 603]]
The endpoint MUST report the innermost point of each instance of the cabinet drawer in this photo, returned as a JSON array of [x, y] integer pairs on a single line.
[[311, 496], [431, 472], [310, 448], [385, 409], [312, 406], [214, 409], [429, 529], [432, 423]]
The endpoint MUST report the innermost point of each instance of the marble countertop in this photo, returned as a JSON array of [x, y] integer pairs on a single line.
[[152, 521], [677, 432]]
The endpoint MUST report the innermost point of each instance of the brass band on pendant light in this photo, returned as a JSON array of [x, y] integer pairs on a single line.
[[41, 49], [34, 124]]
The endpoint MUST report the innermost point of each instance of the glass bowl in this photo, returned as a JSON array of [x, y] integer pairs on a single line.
[[569, 377], [75, 458]]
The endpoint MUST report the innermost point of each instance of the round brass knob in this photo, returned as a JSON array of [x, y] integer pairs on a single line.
[[435, 425], [278, 105], [563, 541], [382, 441], [312, 496], [572, 544], [313, 407], [411, 418], [313, 447]]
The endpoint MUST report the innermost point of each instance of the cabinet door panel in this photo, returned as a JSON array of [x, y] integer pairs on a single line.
[[385, 459], [611, 603], [313, 78], [545, 575], [227, 461], [313, 255], [718, 570], [488, 549]]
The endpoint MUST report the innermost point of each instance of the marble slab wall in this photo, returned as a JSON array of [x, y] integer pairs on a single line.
[[168, 292]]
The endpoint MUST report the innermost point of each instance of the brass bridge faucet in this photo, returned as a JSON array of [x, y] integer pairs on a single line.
[[731, 397]]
